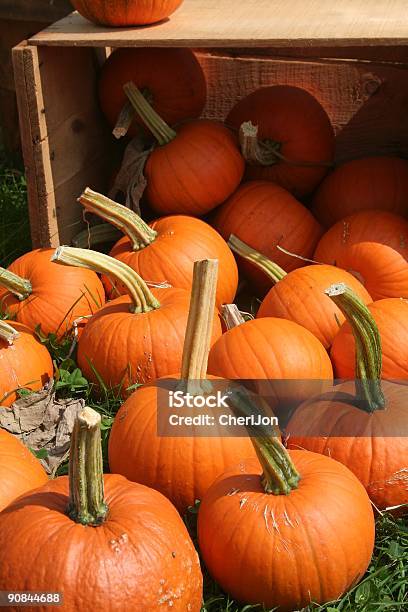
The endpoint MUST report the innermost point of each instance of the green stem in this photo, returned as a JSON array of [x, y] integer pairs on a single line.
[[159, 128], [232, 316], [142, 298], [20, 287], [271, 269], [368, 345], [127, 221], [96, 234], [8, 333], [86, 486]]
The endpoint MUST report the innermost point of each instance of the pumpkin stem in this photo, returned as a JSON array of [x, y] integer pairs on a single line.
[[271, 269], [159, 128], [86, 486], [96, 234], [20, 287], [142, 298], [127, 221], [231, 316], [368, 345], [199, 326], [124, 121], [8, 333]]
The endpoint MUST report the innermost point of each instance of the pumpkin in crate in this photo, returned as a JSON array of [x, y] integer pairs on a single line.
[[182, 468], [166, 249], [368, 183], [373, 246], [25, 362], [299, 295], [286, 137], [37, 292], [135, 338], [171, 79], [86, 523], [122, 13], [267, 217]]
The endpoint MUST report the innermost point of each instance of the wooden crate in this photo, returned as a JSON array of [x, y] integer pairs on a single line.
[[352, 57]]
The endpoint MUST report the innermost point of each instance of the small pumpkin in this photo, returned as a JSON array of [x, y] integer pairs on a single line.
[[85, 523], [362, 424], [182, 468], [20, 471], [37, 292], [373, 246], [369, 183], [26, 363], [299, 295], [286, 137], [266, 216], [194, 168], [293, 529], [171, 79], [122, 13], [135, 338], [166, 249]]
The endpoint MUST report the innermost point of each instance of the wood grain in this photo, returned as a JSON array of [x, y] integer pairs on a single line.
[[252, 23]]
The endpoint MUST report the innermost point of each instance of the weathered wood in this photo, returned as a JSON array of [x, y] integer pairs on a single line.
[[253, 23], [45, 11]]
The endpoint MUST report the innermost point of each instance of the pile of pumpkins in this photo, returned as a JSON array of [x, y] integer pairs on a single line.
[[324, 249]]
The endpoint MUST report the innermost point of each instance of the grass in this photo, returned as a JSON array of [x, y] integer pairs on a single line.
[[385, 586]]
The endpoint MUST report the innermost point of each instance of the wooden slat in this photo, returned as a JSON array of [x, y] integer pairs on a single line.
[[45, 11], [252, 23]]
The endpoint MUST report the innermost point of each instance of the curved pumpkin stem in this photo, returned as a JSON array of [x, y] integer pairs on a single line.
[[368, 345], [20, 287], [86, 486], [127, 221], [159, 128], [142, 298], [271, 269], [8, 333], [232, 316]]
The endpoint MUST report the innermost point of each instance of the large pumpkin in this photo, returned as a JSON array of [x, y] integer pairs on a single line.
[[89, 523], [182, 468], [369, 183], [363, 424], [25, 362], [286, 137], [194, 168], [372, 245], [167, 249], [171, 79], [123, 13], [37, 292], [135, 338], [266, 216], [295, 530], [20, 471]]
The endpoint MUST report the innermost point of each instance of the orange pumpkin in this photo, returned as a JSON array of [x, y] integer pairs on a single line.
[[85, 523], [286, 137], [373, 246], [165, 250], [122, 13], [37, 292], [369, 183], [20, 471]]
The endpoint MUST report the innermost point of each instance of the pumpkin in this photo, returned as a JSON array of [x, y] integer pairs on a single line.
[[182, 468], [86, 523], [37, 292], [171, 79], [266, 217], [20, 471], [373, 246], [26, 363], [362, 424], [193, 169], [165, 250], [290, 530], [286, 137], [299, 296], [122, 13], [134, 338], [369, 183]]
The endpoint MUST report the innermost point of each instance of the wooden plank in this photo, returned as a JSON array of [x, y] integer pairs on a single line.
[[253, 23], [45, 11]]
